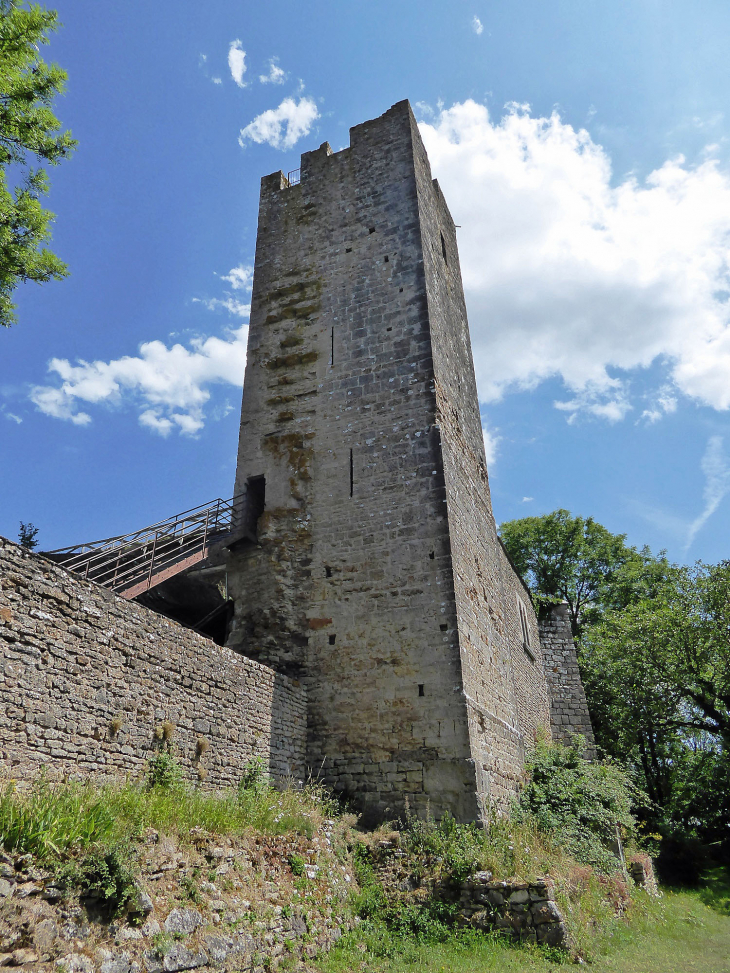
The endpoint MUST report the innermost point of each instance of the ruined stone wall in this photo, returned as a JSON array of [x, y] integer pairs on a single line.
[[568, 707], [86, 678], [374, 569]]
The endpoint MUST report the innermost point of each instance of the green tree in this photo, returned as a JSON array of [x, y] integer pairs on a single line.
[[577, 560], [657, 674], [30, 135]]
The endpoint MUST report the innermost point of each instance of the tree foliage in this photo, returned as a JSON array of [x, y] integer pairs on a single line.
[[27, 536], [658, 677], [30, 135], [581, 803], [578, 561]]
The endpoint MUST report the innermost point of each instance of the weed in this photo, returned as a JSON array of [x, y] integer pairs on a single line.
[[189, 885], [164, 772], [202, 746], [115, 725], [297, 863], [162, 943]]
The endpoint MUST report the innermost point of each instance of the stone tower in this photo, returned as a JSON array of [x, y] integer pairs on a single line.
[[367, 563]]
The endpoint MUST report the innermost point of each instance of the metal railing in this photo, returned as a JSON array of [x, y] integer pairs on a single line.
[[133, 563], [294, 177]]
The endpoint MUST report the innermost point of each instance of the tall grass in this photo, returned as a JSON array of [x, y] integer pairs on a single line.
[[55, 821]]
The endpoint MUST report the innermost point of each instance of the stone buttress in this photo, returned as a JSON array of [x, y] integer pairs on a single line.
[[367, 563]]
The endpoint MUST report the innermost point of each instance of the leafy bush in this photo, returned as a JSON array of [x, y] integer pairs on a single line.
[[580, 803], [164, 771], [106, 874], [255, 777]]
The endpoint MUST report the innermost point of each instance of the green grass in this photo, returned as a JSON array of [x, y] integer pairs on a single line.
[[53, 822], [679, 933]]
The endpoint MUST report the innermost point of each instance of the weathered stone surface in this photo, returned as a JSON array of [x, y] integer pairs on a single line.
[[183, 921], [117, 964], [55, 711], [44, 934], [545, 912], [142, 904], [552, 934], [6, 888], [369, 558], [181, 958], [21, 957], [568, 707]]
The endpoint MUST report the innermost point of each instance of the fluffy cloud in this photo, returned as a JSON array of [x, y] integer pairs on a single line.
[[170, 385], [240, 278], [477, 26], [569, 275], [281, 127], [275, 75], [237, 63]]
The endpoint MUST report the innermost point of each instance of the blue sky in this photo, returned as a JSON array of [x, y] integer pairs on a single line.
[[583, 148]]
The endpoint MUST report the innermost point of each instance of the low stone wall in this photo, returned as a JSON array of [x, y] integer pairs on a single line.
[[526, 910], [92, 685]]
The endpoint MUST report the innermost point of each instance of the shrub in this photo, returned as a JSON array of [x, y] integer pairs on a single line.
[[296, 863], [580, 803], [164, 772], [106, 874], [255, 777]]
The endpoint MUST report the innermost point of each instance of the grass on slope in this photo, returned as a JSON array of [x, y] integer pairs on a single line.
[[53, 821], [683, 932]]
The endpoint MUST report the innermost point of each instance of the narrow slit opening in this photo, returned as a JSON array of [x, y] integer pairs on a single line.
[[332, 639], [420, 689], [352, 479], [332, 346]]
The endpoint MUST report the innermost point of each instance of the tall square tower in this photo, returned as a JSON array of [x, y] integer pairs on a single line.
[[367, 562]]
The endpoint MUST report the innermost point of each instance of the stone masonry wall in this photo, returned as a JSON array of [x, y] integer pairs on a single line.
[[568, 707], [504, 708], [351, 579], [86, 678], [374, 569]]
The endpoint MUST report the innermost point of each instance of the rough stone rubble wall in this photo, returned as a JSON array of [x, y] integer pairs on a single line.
[[74, 658], [568, 707]]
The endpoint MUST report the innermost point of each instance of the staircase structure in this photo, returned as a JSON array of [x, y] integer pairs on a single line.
[[131, 564]]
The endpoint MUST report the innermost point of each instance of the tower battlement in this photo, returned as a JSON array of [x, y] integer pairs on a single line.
[[368, 564]]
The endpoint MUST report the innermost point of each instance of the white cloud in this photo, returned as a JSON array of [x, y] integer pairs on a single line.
[[275, 75], [227, 303], [237, 62], [664, 403], [240, 278], [716, 467], [491, 441], [170, 384], [477, 26], [10, 416], [526, 499], [217, 80], [281, 127], [569, 275]]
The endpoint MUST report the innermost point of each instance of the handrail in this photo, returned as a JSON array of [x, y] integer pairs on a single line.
[[134, 562]]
